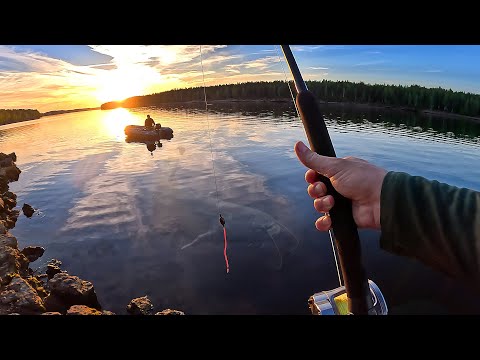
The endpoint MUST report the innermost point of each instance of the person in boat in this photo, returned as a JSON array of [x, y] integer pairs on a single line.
[[149, 123], [433, 222]]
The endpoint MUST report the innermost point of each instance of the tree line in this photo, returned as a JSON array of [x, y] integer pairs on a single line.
[[8, 116], [411, 97]]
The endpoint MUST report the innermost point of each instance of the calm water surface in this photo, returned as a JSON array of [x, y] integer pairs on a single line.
[[136, 222]]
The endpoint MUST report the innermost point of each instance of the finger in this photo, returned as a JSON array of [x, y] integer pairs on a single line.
[[323, 204], [311, 176], [317, 190], [323, 223], [325, 165]]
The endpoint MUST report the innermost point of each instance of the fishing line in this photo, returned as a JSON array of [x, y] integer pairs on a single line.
[[222, 220], [298, 116]]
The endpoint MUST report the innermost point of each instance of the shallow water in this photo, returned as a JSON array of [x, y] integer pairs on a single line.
[[136, 222]]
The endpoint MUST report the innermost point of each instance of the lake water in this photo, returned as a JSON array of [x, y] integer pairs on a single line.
[[136, 222]]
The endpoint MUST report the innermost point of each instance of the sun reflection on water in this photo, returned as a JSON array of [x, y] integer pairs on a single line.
[[114, 122]]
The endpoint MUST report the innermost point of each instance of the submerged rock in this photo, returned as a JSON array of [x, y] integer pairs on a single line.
[[140, 306], [28, 210], [170, 312], [33, 252]]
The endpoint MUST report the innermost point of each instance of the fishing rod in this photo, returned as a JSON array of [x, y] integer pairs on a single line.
[[363, 295]]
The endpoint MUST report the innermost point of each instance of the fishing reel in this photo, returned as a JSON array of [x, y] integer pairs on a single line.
[[334, 302]]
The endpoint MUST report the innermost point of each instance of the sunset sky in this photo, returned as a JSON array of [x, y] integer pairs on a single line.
[[55, 77]]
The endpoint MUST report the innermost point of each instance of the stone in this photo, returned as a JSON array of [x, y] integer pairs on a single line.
[[106, 312], [3, 228], [6, 162], [82, 310], [170, 312], [73, 291], [33, 252], [28, 210], [140, 306], [51, 313], [12, 173], [52, 270], [20, 297]]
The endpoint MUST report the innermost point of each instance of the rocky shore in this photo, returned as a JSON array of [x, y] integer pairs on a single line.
[[52, 291]]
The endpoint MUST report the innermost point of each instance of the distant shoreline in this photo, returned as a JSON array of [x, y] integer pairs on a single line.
[[323, 104], [49, 113], [280, 100]]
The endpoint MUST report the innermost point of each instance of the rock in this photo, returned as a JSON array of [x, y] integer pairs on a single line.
[[52, 270], [20, 297], [140, 306], [73, 291], [2, 205], [28, 210], [11, 260], [12, 173], [106, 312], [6, 162], [37, 285], [12, 156], [33, 252], [55, 304], [14, 215], [170, 312], [9, 240], [3, 228], [82, 310], [10, 195], [3, 184], [9, 223], [9, 203], [51, 313]]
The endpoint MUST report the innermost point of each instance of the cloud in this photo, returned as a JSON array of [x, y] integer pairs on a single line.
[[368, 63], [307, 48], [317, 68], [164, 54], [433, 71]]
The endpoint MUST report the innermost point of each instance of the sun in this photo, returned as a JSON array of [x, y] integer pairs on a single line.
[[125, 82]]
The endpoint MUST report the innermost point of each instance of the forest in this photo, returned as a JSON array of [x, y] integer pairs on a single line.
[[412, 97], [17, 115]]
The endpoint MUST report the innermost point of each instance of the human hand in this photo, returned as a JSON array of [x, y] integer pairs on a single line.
[[355, 179]]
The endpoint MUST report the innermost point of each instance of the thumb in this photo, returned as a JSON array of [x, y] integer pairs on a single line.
[[325, 165]]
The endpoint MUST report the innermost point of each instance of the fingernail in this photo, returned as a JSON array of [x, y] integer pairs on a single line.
[[325, 220], [301, 147], [318, 188]]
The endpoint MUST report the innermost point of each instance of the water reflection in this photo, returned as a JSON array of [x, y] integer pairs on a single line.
[[136, 224]]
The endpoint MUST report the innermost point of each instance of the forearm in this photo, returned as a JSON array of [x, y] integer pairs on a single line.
[[434, 222]]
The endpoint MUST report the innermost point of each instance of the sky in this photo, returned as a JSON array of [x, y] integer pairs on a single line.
[[62, 77]]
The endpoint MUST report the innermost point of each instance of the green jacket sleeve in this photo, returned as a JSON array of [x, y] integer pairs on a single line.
[[436, 223]]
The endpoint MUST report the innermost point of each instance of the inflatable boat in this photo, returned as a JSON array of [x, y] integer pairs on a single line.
[[141, 133]]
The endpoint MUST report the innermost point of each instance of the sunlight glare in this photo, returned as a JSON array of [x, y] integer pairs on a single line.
[[115, 121], [127, 81]]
